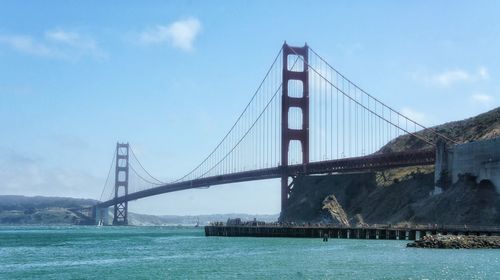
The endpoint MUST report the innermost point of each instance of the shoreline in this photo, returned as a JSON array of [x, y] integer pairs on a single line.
[[456, 242]]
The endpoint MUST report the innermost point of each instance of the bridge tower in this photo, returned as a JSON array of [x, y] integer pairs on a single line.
[[288, 134], [121, 183]]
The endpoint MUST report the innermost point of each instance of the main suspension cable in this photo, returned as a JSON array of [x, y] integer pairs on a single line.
[[250, 129], [133, 154], [383, 104], [357, 102], [237, 120], [107, 178]]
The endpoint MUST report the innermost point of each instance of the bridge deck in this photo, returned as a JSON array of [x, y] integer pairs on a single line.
[[366, 163]]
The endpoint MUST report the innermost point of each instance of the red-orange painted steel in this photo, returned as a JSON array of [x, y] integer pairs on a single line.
[[288, 102], [366, 163]]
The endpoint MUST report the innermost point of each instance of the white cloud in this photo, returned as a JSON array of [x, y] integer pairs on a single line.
[[26, 44], [449, 78], [482, 98], [23, 175], [72, 39], [483, 73], [55, 44], [416, 116], [180, 34]]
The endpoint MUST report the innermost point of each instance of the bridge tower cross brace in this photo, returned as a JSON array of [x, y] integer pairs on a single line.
[[288, 134], [120, 216]]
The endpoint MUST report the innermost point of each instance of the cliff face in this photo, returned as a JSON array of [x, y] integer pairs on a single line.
[[369, 198], [401, 195]]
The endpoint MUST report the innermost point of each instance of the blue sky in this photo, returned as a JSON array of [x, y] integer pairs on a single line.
[[170, 77]]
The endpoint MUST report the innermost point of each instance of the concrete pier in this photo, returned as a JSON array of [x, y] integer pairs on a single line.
[[376, 232], [480, 159]]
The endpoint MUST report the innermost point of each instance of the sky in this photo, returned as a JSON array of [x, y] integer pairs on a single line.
[[170, 78]]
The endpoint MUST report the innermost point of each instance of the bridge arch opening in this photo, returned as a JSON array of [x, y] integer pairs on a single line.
[[295, 152], [295, 63], [121, 191], [122, 162], [485, 195], [295, 88], [122, 176], [486, 185], [295, 118]]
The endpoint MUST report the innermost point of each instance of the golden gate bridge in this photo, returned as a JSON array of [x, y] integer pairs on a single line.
[[305, 117]]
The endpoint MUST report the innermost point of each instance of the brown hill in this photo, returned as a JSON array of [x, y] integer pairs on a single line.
[[480, 127]]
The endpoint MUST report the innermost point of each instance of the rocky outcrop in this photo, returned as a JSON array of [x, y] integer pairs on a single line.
[[358, 221], [306, 199], [368, 198], [457, 242], [333, 211]]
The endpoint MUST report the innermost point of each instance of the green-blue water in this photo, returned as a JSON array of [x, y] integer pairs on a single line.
[[185, 253]]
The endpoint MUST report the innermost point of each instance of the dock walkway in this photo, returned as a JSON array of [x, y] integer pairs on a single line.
[[330, 231]]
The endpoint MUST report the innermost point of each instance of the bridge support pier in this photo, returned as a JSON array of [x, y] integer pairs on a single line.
[[441, 176], [120, 213], [288, 134]]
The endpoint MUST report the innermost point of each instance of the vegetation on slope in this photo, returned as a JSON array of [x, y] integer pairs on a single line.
[[16, 209], [481, 127]]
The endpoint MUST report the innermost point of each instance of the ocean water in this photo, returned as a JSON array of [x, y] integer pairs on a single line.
[[185, 253]]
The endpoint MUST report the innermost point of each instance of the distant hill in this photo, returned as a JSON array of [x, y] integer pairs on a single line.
[[16, 209], [19, 202], [481, 127], [151, 220]]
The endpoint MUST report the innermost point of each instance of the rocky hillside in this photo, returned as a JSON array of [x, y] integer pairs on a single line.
[[480, 127], [401, 195], [356, 199]]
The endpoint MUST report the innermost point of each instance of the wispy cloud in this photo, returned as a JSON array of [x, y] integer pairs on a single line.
[[58, 44], [482, 98], [180, 34], [451, 77], [350, 48], [415, 115], [25, 44], [84, 44], [24, 175]]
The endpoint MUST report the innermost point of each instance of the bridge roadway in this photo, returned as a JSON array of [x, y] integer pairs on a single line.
[[371, 162]]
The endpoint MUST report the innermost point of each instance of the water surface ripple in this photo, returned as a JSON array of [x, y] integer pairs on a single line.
[[185, 253]]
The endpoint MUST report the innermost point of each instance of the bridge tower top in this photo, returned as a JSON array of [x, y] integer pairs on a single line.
[[293, 72]]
